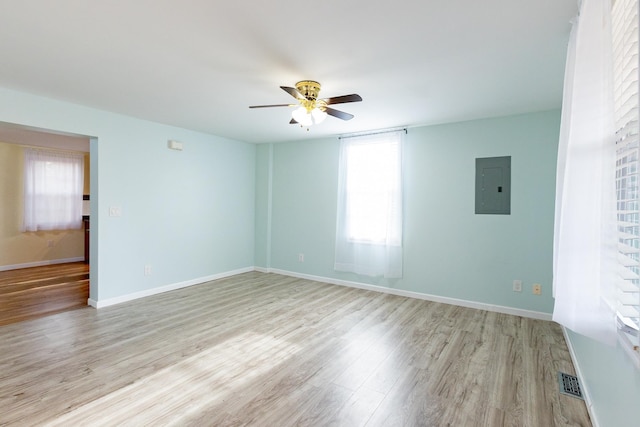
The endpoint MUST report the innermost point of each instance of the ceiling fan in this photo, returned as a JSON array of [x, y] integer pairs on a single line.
[[312, 110]]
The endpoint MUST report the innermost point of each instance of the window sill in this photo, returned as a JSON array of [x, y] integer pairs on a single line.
[[629, 345]]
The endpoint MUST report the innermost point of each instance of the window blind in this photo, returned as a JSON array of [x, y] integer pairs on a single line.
[[624, 20]]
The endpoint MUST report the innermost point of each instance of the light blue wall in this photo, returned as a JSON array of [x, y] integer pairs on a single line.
[[262, 213], [188, 214], [449, 251], [305, 179]]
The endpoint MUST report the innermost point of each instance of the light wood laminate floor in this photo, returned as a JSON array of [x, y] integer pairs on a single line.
[[269, 350], [28, 293]]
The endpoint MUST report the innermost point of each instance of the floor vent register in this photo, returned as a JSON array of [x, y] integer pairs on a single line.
[[569, 385]]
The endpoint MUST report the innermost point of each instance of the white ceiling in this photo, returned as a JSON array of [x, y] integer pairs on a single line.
[[199, 64]]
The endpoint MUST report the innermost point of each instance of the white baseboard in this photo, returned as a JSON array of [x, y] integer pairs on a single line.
[[40, 263], [453, 301], [583, 385], [154, 291], [445, 300]]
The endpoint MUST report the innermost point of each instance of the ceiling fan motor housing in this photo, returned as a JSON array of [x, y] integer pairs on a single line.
[[309, 89]]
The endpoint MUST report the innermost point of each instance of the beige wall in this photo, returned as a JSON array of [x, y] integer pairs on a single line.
[[23, 249]]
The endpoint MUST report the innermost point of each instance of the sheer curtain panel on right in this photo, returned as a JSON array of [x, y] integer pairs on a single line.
[[585, 235], [597, 224], [369, 218]]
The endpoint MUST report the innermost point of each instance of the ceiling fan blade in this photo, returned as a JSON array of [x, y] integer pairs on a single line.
[[293, 92], [354, 97], [339, 114], [293, 122], [273, 105]]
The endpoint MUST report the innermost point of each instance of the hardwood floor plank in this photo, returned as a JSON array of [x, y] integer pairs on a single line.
[[263, 350], [35, 274], [40, 291], [357, 410]]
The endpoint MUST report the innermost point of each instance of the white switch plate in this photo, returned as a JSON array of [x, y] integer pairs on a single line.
[[517, 286], [147, 270], [115, 211], [300, 257]]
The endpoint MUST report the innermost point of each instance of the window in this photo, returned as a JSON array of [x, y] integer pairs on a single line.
[[369, 219], [624, 23], [53, 186], [585, 255]]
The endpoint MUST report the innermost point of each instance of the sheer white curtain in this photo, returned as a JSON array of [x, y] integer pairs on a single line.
[[369, 218], [53, 186], [585, 234]]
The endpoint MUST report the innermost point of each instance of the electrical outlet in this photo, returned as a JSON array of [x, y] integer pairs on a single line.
[[50, 243], [147, 270], [115, 211], [537, 289], [300, 257], [517, 286]]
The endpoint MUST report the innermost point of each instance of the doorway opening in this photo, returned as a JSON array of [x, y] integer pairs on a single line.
[[44, 272]]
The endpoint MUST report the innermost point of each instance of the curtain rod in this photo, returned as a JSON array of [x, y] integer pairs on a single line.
[[372, 133]]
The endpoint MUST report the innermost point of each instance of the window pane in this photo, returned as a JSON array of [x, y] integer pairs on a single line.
[[53, 190], [372, 185]]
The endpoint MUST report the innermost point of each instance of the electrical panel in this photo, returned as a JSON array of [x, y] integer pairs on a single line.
[[493, 185]]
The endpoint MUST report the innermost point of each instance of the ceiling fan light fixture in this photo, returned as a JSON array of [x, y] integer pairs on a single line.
[[302, 116], [318, 115]]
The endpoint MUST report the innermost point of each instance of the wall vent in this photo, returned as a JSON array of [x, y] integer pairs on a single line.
[[569, 385]]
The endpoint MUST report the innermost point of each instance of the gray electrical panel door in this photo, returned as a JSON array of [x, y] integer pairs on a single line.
[[493, 185]]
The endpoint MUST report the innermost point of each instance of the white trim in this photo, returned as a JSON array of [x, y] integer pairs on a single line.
[[583, 383], [154, 291], [410, 294], [40, 263], [418, 295]]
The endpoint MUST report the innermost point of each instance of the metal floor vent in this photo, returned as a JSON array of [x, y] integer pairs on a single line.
[[569, 385]]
